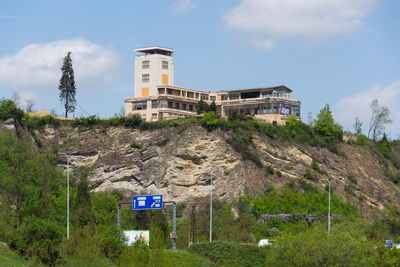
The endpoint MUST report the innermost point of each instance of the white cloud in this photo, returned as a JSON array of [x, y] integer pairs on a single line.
[[39, 64], [181, 6], [274, 20], [357, 105]]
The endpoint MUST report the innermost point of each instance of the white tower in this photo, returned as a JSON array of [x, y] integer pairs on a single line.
[[154, 67]]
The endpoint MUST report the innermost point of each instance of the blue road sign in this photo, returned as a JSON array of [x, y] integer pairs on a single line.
[[151, 202]]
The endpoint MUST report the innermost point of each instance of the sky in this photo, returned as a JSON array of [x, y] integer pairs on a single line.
[[337, 52]]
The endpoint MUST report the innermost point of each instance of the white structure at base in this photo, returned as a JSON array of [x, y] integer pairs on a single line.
[[154, 67]]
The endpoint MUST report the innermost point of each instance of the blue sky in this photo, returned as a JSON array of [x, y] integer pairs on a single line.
[[344, 53]]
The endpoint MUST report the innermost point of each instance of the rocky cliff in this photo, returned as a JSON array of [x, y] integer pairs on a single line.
[[180, 163]]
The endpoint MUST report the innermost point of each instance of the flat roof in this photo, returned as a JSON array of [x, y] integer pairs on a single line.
[[150, 48], [279, 88]]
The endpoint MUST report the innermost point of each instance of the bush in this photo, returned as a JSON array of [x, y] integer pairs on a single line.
[[346, 246], [352, 177], [315, 166], [224, 253], [38, 238], [40, 122], [86, 121], [132, 120], [241, 141], [163, 141], [268, 170], [136, 145], [8, 109]]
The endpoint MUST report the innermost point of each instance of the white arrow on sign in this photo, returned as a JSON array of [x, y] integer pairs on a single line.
[[152, 205], [134, 203]]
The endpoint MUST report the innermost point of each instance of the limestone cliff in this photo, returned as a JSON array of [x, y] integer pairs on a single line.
[[180, 162]]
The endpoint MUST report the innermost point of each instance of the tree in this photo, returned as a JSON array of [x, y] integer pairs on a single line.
[[202, 107], [67, 85], [357, 126], [326, 126], [379, 118], [29, 105]]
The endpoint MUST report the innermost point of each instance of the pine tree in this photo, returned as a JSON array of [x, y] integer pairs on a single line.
[[67, 85]]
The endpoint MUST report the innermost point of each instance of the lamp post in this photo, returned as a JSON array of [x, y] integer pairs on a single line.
[[211, 200], [329, 206], [60, 153]]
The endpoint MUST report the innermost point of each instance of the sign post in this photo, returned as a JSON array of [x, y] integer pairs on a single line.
[[150, 202]]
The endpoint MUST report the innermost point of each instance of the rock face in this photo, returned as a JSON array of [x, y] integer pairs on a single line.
[[181, 163]]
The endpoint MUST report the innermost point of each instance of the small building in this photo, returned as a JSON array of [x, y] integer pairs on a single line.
[[157, 98]]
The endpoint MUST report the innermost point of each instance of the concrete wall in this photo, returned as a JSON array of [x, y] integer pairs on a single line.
[[156, 73]]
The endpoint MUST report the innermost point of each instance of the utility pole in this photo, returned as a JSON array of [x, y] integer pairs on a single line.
[[211, 201], [60, 153], [329, 206]]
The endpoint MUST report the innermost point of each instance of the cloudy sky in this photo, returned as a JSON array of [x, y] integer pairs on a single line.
[[337, 52]]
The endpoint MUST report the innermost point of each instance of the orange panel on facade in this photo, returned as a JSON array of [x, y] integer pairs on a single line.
[[145, 91], [165, 79]]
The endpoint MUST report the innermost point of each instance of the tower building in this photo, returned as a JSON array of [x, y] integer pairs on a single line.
[[155, 66]]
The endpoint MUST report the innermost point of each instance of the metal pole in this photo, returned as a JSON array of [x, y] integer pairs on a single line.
[[174, 225], [211, 200], [329, 206], [66, 155], [118, 215]]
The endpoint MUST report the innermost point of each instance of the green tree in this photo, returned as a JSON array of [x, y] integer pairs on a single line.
[[202, 107], [213, 107], [67, 85], [8, 109], [326, 126], [384, 146]]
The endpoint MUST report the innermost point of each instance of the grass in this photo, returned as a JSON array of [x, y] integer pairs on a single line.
[[10, 258]]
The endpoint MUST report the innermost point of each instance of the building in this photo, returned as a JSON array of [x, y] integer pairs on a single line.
[[157, 98]]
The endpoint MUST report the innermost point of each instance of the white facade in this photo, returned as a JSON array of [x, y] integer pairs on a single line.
[[154, 67]]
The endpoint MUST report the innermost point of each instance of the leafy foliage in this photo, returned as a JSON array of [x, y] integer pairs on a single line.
[[327, 128], [8, 109], [224, 253]]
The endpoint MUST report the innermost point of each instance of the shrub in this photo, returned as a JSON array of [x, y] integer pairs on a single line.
[[86, 121], [132, 120], [268, 170], [315, 166], [309, 175], [352, 177], [224, 253], [278, 173], [163, 141], [40, 122], [136, 145], [8, 109], [241, 141], [346, 246], [39, 238]]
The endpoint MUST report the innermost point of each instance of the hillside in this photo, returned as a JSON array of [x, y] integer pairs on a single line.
[[178, 160]]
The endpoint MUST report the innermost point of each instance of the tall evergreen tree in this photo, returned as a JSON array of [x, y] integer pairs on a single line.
[[67, 85]]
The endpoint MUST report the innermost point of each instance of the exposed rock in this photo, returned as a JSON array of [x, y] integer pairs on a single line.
[[182, 168]]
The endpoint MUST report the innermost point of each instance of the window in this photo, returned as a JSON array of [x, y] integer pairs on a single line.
[[224, 97], [177, 105], [145, 78], [190, 107], [154, 104], [139, 106], [170, 104], [184, 106], [212, 98], [145, 64], [204, 97], [164, 65]]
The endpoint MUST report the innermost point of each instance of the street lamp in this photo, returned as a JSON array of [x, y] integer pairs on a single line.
[[329, 206], [60, 153], [211, 210]]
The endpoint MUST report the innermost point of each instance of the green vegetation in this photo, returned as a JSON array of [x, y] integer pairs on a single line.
[[163, 141], [136, 145], [268, 170], [8, 109], [233, 254]]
